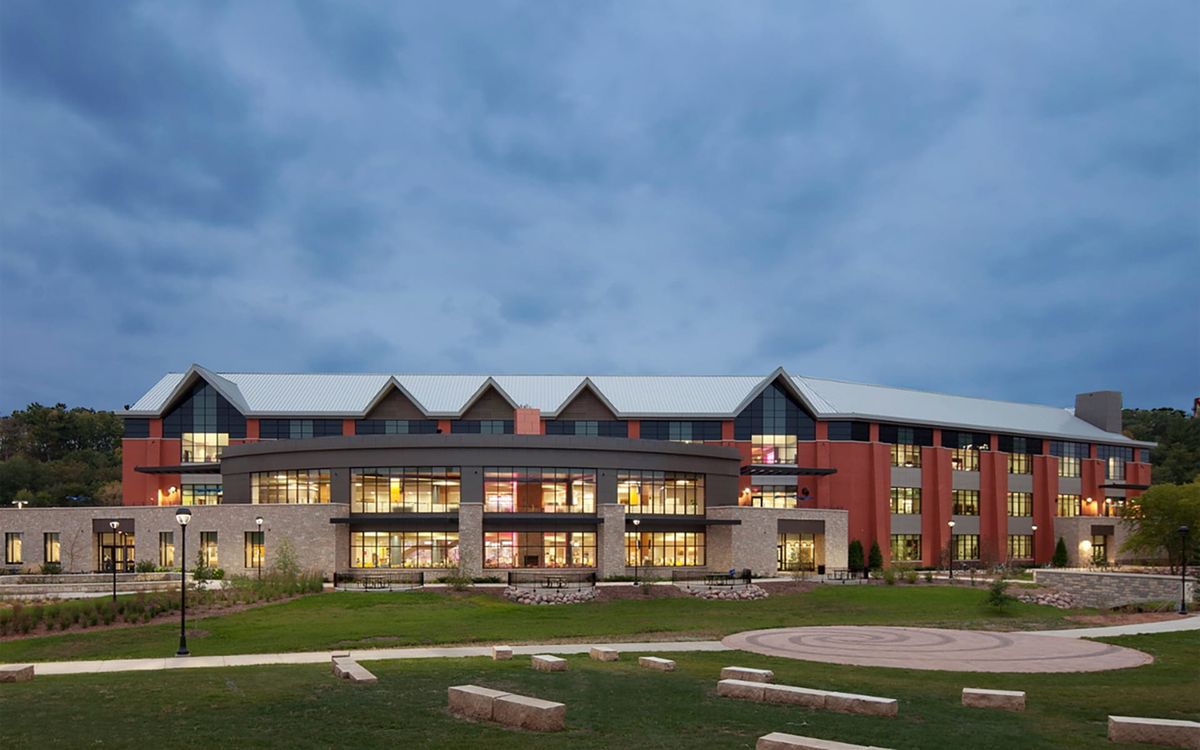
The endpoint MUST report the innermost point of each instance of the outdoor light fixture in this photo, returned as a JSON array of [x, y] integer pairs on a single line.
[[1183, 555], [951, 525], [259, 522], [183, 516], [114, 525], [171, 490], [20, 503], [637, 549]]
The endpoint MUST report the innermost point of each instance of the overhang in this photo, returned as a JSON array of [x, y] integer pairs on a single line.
[[1124, 486], [782, 470], [208, 468]]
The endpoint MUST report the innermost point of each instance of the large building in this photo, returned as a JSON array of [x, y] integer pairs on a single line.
[[601, 473]]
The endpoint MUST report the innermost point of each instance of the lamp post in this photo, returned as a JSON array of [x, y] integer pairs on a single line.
[[114, 525], [261, 545], [1033, 541], [182, 517], [1183, 551], [637, 549], [951, 525]]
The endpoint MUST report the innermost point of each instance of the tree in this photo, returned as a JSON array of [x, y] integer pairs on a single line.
[[1060, 554], [875, 557], [53, 453], [854, 556], [1176, 459], [1155, 517]]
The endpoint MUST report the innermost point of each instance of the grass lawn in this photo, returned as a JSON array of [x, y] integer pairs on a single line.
[[377, 620], [608, 705]]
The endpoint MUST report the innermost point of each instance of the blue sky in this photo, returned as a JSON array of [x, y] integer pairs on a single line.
[[998, 199]]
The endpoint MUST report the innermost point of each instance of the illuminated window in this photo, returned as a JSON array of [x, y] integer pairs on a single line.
[[204, 422], [906, 547], [774, 496], [966, 502], [1114, 459], [906, 455], [966, 546], [404, 549], [409, 489], [906, 443], [1113, 506], [166, 549], [1070, 456], [1020, 547], [1020, 463], [906, 500], [1099, 549], [254, 552], [671, 549], [202, 447], [965, 448], [114, 548], [796, 552], [1021, 451], [201, 494], [1020, 503], [538, 490], [51, 547], [773, 422], [303, 487], [1068, 506], [661, 493], [539, 549], [208, 548], [12, 548]]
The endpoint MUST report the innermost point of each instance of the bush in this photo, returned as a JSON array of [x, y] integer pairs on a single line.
[[854, 556], [145, 566], [51, 568], [1060, 554], [928, 576], [998, 595], [875, 557], [889, 576], [910, 575]]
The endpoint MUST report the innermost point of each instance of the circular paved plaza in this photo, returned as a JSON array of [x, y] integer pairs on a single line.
[[932, 648]]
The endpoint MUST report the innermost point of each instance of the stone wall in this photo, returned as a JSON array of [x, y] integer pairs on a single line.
[[1095, 589], [752, 543]]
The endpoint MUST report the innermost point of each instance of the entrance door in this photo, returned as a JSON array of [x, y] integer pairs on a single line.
[[114, 549]]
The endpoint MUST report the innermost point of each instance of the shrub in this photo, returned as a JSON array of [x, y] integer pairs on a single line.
[[910, 575], [854, 556], [889, 576], [928, 576], [998, 595], [51, 568], [1060, 554], [875, 557], [145, 566]]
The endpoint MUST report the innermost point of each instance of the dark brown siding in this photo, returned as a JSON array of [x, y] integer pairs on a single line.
[[491, 405], [395, 406], [587, 406]]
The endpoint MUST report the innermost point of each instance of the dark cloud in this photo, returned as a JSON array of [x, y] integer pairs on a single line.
[[993, 199]]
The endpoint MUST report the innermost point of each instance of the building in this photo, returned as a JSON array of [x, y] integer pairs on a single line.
[[600, 473]]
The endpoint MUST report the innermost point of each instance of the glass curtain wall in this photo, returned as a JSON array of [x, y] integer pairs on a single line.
[[406, 490], [538, 490]]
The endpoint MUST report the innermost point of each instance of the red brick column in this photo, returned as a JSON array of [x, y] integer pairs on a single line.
[[1045, 507], [993, 506]]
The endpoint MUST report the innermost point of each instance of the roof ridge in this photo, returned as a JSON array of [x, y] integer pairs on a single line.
[[935, 393]]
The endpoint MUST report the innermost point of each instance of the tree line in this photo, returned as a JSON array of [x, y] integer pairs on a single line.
[[53, 456]]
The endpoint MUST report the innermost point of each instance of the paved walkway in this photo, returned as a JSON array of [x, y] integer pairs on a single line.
[[1191, 622]]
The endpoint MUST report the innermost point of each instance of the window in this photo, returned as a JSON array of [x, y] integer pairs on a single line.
[[303, 487], [1069, 455], [395, 427], [965, 448], [51, 547], [906, 500], [906, 547], [535, 490], [539, 549], [482, 426], [204, 421], [773, 422], [966, 546], [166, 549], [966, 502], [137, 428], [404, 549], [1145, 452], [12, 548], [1069, 506], [693, 431], [1020, 463], [410, 489], [114, 548], [594, 428], [208, 548], [860, 431], [255, 551], [1113, 506], [796, 552], [670, 549], [201, 494], [906, 455], [661, 493], [1099, 549], [774, 496], [1021, 451], [1114, 459], [203, 447], [298, 429], [1020, 547], [1020, 503]]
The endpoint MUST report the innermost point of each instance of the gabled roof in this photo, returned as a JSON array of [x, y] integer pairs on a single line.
[[628, 396]]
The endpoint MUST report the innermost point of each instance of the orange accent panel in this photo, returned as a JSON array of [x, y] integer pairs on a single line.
[[252, 432], [156, 428], [635, 429], [527, 421], [822, 430], [727, 430], [348, 427], [443, 426]]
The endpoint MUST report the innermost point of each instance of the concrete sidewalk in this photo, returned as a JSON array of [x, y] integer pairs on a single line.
[[1190, 622], [373, 654]]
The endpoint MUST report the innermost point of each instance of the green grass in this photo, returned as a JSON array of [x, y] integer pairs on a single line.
[[377, 620], [609, 705]]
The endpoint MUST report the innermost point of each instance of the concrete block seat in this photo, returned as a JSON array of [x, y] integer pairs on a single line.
[[829, 700], [501, 653], [1165, 732], [548, 663], [604, 654], [784, 741], [657, 662], [16, 673], [519, 711], [347, 669], [747, 674], [472, 701], [1005, 700]]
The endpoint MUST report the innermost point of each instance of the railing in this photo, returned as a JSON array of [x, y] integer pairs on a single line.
[[550, 579], [733, 578], [379, 579]]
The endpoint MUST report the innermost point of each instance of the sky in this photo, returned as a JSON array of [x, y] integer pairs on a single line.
[[997, 199]]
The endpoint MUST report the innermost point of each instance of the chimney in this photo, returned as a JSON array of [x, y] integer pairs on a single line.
[[1101, 408]]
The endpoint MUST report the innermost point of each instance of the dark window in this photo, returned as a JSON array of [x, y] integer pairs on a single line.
[[1114, 459], [774, 412], [974, 440], [395, 427], [1018, 444], [1145, 455], [860, 431], [298, 429], [902, 435], [137, 428], [595, 428], [482, 426], [1070, 456], [204, 410], [685, 431]]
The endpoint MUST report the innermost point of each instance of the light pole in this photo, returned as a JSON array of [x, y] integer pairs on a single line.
[[261, 545], [951, 525], [1033, 541], [114, 525], [637, 549], [1183, 551], [182, 517]]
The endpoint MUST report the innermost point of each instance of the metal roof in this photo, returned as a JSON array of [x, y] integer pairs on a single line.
[[629, 396]]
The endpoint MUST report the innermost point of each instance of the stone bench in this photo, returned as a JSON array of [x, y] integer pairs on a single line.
[[522, 712], [500, 653], [1168, 732], [16, 673], [604, 654], [784, 741], [347, 669], [547, 663], [1006, 700], [847, 703], [747, 674], [656, 662]]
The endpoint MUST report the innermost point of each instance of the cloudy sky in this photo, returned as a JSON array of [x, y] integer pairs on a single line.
[[998, 199]]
